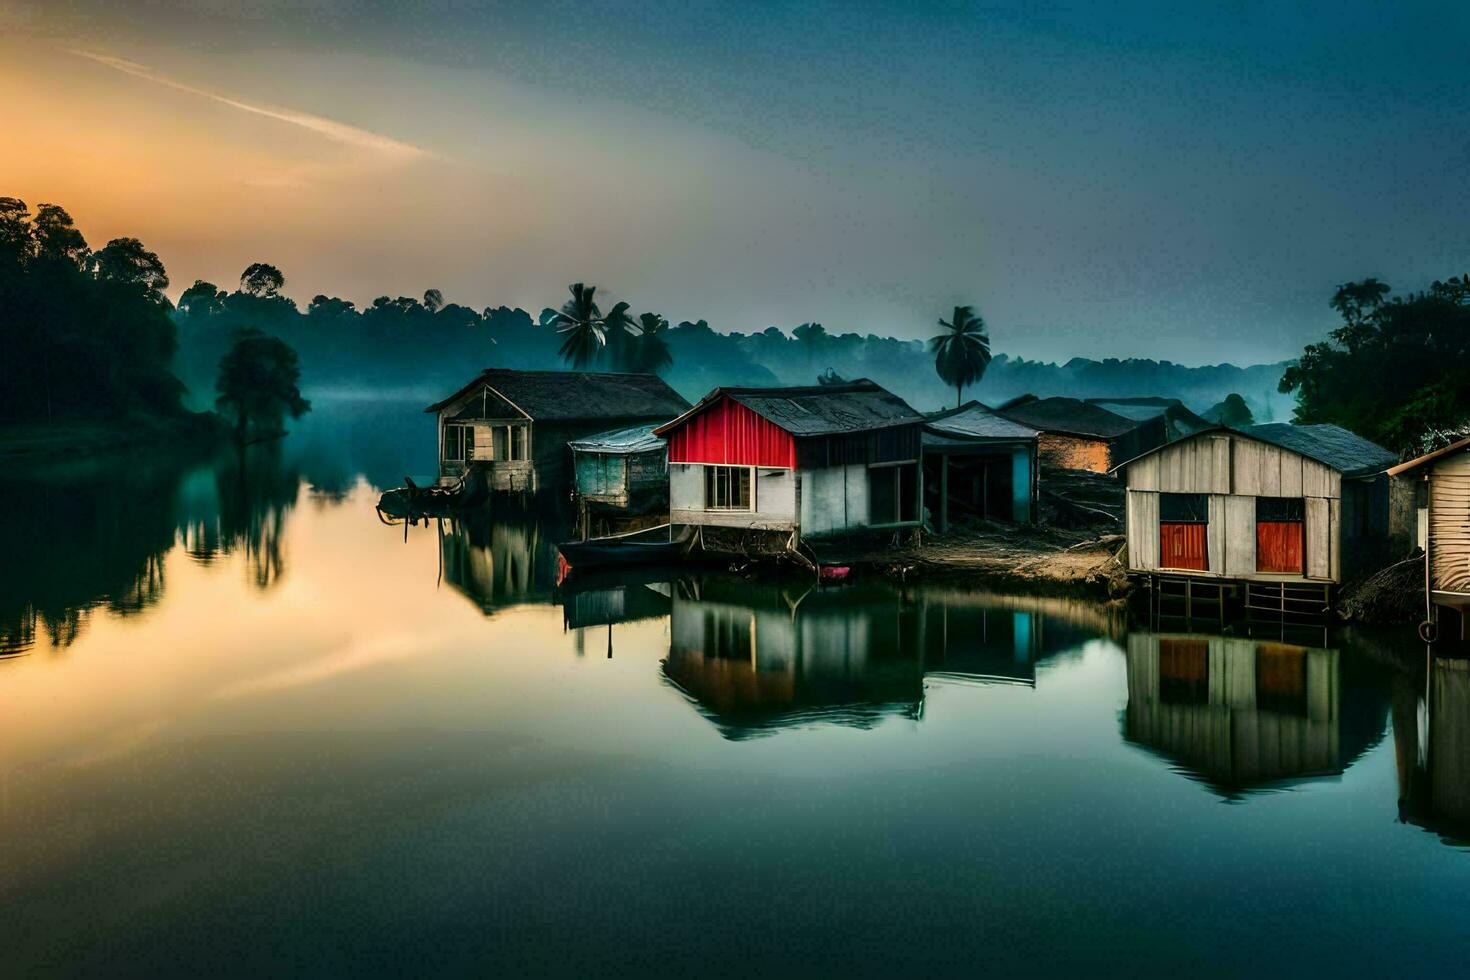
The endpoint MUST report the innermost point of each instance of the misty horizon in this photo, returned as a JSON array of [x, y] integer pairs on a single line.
[[1188, 187]]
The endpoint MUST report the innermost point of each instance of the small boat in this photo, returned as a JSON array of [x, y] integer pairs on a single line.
[[414, 501], [649, 545]]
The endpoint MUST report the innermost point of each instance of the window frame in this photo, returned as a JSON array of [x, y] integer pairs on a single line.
[[712, 474]]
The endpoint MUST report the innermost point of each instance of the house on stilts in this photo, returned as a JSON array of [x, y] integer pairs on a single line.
[[1277, 514], [760, 468], [516, 425], [1440, 483]]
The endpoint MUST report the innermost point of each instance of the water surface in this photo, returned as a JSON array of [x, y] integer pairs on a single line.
[[247, 728]]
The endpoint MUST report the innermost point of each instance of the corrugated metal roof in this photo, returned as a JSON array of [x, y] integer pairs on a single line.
[[1348, 453], [630, 441], [565, 395], [1070, 416], [1331, 445], [975, 422], [818, 410]]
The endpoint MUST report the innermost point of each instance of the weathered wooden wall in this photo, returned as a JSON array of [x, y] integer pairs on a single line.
[[1449, 525], [1234, 470]]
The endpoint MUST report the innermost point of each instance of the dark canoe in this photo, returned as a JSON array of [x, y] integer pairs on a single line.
[[644, 547]]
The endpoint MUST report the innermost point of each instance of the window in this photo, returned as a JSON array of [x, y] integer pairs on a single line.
[[1184, 508], [727, 488], [459, 442], [518, 442], [1184, 519], [1279, 537], [500, 435]]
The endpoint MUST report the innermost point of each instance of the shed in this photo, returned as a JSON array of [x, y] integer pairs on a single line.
[[1076, 435], [1273, 503], [981, 463], [810, 460], [517, 424], [624, 469], [1441, 484]]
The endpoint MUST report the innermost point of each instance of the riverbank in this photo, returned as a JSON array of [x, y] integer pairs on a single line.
[[27, 442], [1035, 559]]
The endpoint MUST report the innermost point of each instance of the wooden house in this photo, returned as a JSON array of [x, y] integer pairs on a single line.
[[1441, 484], [981, 464], [1276, 504], [517, 424], [1079, 435], [809, 461]]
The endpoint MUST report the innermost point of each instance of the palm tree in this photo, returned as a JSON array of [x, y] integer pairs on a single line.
[[653, 351], [582, 322], [618, 327], [962, 352]]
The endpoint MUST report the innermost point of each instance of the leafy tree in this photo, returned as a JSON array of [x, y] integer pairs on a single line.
[[328, 307], [962, 352], [812, 337], [618, 328], [127, 262], [15, 229], [581, 321], [433, 300], [1394, 370], [55, 235], [261, 279], [1232, 411], [201, 299], [258, 385], [653, 354]]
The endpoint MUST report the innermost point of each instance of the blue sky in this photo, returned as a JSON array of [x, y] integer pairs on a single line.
[[1183, 181]]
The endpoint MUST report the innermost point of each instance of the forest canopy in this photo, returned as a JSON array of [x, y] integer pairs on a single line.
[[86, 333], [1395, 370]]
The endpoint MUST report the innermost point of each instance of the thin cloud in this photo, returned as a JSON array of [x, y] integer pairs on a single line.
[[331, 129]]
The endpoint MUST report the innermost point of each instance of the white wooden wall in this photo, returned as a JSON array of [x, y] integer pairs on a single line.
[[1234, 470]]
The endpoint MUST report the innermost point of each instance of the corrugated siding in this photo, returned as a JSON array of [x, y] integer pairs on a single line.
[[1183, 546], [1279, 546], [1449, 525], [728, 432]]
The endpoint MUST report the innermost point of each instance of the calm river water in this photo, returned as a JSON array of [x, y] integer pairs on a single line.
[[245, 728]]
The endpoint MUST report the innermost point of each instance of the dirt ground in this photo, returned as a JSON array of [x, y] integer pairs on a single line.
[[1076, 545]]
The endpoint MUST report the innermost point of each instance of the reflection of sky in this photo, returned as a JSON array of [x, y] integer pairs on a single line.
[[357, 765], [1101, 179]]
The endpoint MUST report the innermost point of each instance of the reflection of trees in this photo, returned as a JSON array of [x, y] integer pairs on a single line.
[[1431, 730], [1241, 714], [757, 658], [95, 534], [254, 491], [82, 536]]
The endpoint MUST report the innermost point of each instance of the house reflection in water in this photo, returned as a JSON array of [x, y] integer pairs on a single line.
[[758, 658], [501, 562], [1432, 736], [1241, 714]]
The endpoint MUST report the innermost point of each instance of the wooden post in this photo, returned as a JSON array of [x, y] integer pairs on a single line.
[[944, 491]]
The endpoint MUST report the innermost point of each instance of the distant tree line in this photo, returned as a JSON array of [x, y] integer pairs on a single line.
[[86, 333], [1395, 370]]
